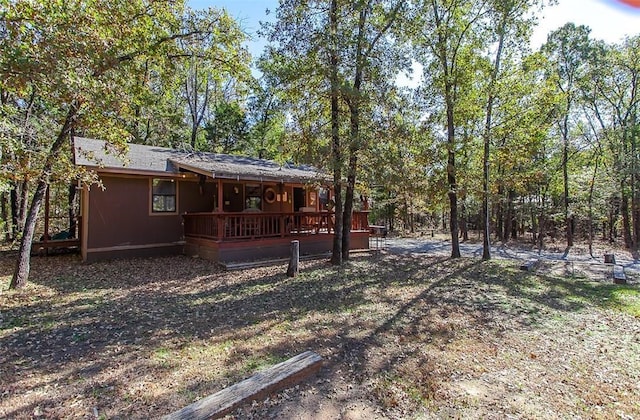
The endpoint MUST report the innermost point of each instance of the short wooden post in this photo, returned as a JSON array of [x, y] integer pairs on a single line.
[[292, 270]]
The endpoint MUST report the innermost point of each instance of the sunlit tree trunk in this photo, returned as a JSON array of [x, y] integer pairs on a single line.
[[21, 273]]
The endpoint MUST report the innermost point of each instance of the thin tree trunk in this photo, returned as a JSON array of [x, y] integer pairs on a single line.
[[590, 203], [348, 204], [486, 246], [542, 224], [5, 217], [635, 220], [72, 211], [464, 233], [336, 255], [499, 209], [21, 273], [626, 219], [451, 178], [565, 178]]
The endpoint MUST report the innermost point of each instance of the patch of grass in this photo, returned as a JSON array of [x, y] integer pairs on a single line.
[[622, 298], [256, 363], [13, 322], [626, 299]]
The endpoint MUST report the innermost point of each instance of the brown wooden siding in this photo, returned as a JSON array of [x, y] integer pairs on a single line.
[[196, 196], [118, 222], [120, 215]]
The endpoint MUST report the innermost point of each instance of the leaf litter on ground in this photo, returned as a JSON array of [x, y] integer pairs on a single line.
[[401, 335]]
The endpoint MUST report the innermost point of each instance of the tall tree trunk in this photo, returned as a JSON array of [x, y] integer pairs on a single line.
[[565, 178], [614, 208], [464, 233], [5, 218], [542, 220], [509, 217], [19, 199], [21, 273], [451, 177], [336, 255], [635, 220], [73, 189], [486, 245], [626, 218], [24, 202], [354, 102], [534, 221], [348, 204], [590, 202], [500, 211]]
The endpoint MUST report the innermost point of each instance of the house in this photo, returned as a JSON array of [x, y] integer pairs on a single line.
[[160, 201]]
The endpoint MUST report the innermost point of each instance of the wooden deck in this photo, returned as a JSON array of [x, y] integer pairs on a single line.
[[243, 226], [231, 237]]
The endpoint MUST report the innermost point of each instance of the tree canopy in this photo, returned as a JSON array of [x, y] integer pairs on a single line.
[[494, 137]]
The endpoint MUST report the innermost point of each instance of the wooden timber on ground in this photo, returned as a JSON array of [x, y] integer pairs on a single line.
[[256, 387]]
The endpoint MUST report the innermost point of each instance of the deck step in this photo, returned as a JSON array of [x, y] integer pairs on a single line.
[[258, 386]]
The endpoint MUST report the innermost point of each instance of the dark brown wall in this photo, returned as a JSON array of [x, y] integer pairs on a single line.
[[195, 197], [277, 206], [120, 215]]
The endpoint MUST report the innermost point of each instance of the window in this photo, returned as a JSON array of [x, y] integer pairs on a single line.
[[253, 194], [163, 196]]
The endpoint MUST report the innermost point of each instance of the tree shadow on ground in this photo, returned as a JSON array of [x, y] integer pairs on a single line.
[[145, 316]]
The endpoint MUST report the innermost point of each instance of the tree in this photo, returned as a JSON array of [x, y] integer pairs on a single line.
[[74, 58], [267, 119], [323, 63], [568, 50], [611, 94], [374, 19], [448, 43], [227, 131], [211, 57], [509, 22]]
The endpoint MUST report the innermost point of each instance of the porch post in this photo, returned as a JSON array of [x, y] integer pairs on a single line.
[[220, 220], [220, 197]]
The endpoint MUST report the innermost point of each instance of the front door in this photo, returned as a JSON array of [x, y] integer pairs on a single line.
[[299, 198], [233, 197]]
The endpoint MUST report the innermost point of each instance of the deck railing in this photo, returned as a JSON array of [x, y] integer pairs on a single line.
[[232, 226]]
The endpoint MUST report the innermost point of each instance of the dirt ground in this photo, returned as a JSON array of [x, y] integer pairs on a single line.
[[402, 336]]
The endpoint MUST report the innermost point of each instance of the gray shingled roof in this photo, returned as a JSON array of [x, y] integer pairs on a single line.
[[93, 153]]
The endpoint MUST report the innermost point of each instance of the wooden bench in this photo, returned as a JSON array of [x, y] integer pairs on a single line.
[[258, 386], [43, 247]]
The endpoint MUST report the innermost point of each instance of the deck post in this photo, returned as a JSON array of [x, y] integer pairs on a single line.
[[283, 228], [294, 259]]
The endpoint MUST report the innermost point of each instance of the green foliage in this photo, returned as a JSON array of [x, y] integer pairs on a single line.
[[227, 132]]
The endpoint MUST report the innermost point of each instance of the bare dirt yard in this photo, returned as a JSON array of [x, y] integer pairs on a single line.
[[402, 336]]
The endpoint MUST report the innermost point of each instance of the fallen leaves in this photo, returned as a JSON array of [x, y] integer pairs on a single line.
[[401, 335]]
